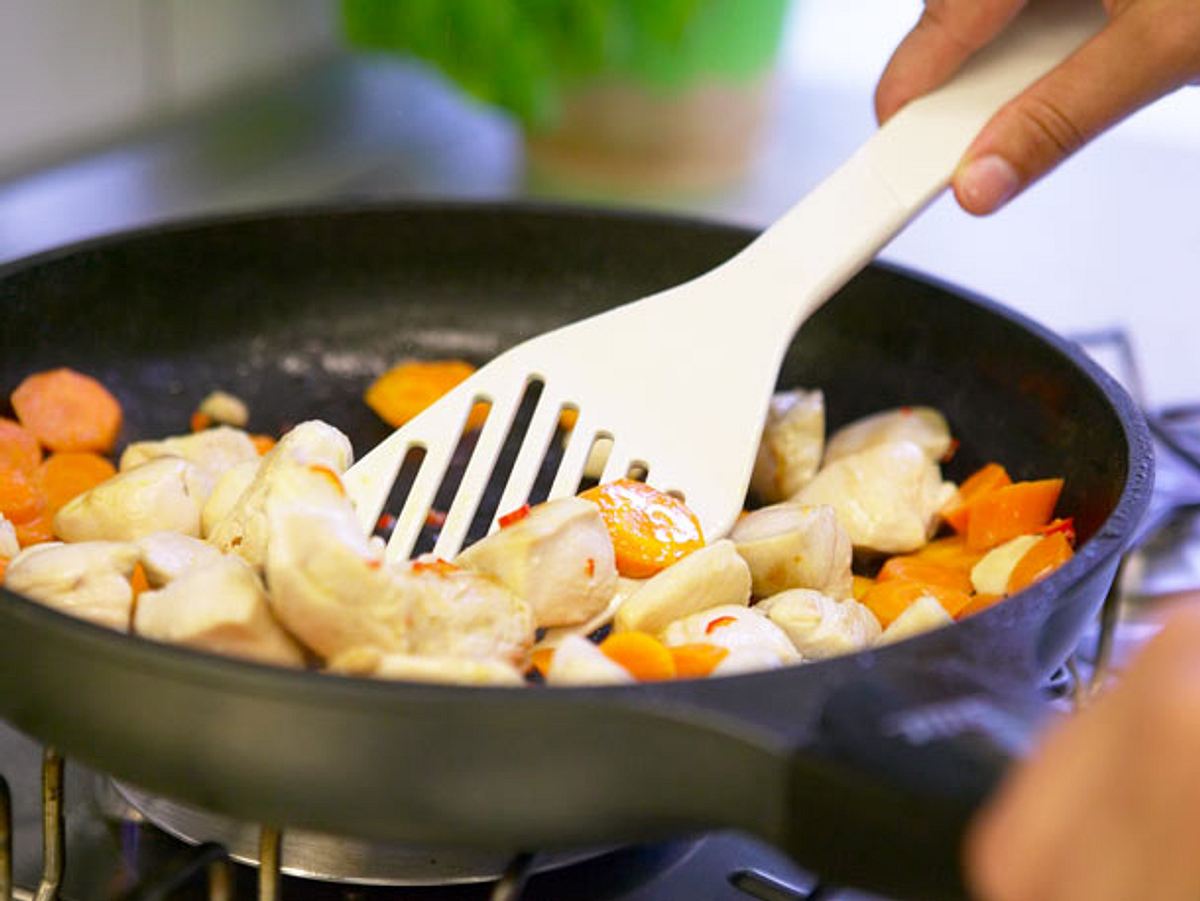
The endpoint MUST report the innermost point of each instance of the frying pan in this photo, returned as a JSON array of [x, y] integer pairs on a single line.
[[849, 764]]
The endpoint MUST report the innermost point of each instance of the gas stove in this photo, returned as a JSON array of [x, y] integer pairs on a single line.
[[68, 832]]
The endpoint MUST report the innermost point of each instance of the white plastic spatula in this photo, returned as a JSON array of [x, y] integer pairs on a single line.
[[680, 380]]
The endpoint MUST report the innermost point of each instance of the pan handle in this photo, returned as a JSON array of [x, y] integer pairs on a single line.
[[882, 798]]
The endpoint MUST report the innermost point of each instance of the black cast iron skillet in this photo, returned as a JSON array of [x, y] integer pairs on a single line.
[[294, 311]]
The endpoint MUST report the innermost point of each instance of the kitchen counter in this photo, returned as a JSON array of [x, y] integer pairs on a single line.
[[1112, 239]]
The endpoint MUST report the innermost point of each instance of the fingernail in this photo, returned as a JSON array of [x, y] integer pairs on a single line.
[[986, 183]]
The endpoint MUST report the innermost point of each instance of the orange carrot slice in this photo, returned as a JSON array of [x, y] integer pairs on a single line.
[[861, 585], [887, 600], [541, 658], [925, 572], [650, 530], [696, 661], [978, 604], [1017, 509], [408, 388], [68, 411], [36, 530], [957, 511], [20, 499], [645, 657], [1039, 561], [63, 477], [200, 421], [951, 552], [18, 448]]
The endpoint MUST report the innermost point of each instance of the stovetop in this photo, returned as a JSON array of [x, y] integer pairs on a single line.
[[113, 851]]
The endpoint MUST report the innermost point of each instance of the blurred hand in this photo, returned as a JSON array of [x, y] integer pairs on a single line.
[[1148, 49], [1108, 808]]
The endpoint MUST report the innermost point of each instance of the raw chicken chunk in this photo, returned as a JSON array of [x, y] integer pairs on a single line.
[[218, 607], [793, 546], [89, 580], [710, 577], [734, 628], [243, 530], [559, 559], [168, 555], [226, 493], [215, 451], [552, 638], [579, 662], [225, 408], [162, 495], [886, 497], [922, 615], [820, 626], [458, 613], [792, 441], [411, 668], [923, 426]]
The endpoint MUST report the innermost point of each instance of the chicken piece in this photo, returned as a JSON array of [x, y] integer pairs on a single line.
[[886, 497], [793, 546], [820, 626], [243, 530], [219, 607], [990, 574], [168, 555], [215, 451], [552, 638], [579, 662], [226, 493], [713, 576], [790, 450], [9, 546], [559, 558], [923, 426], [328, 585], [459, 613], [225, 408], [411, 668], [922, 615], [734, 628], [89, 580], [162, 495]]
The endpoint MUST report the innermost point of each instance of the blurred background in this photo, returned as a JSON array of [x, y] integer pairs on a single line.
[[123, 112]]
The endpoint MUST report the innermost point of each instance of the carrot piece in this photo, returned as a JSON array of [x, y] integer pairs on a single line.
[[36, 530], [20, 499], [888, 599], [695, 661], [644, 656], [200, 421], [68, 411], [978, 604], [408, 388], [262, 443], [63, 477], [1013, 510], [541, 658], [861, 585], [925, 572], [650, 530], [1039, 561], [951, 552], [957, 511], [18, 448]]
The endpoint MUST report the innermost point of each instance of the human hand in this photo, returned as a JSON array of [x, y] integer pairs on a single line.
[[1148, 49], [1108, 807]]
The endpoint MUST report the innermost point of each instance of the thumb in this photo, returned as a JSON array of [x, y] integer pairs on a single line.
[[1143, 53]]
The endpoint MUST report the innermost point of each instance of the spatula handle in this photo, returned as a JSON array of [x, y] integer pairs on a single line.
[[834, 231]]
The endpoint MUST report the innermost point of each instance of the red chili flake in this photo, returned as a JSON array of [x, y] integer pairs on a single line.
[[435, 565], [516, 516], [719, 623], [374, 564], [1066, 526], [435, 518], [386, 522], [906, 411], [951, 450], [200, 421], [329, 475], [590, 567]]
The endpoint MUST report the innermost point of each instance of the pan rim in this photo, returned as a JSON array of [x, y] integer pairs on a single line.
[[259, 678]]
